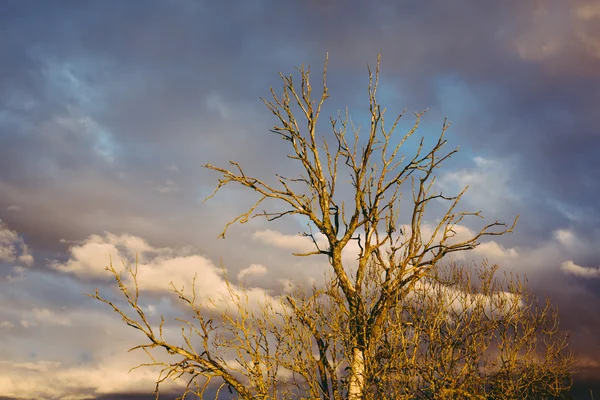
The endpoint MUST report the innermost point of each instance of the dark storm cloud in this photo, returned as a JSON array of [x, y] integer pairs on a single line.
[[107, 109]]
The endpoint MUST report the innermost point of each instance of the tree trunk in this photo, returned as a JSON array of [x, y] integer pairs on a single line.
[[357, 378]]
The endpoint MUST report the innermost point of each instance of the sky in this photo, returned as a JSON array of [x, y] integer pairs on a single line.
[[108, 110]]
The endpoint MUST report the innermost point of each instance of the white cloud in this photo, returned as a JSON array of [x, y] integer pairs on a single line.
[[8, 241], [57, 371], [489, 182], [302, 244], [107, 372], [458, 300], [51, 379], [490, 250], [90, 258], [565, 237], [157, 267], [25, 258], [461, 233], [133, 244], [494, 251], [14, 250], [571, 268], [295, 243], [157, 274], [253, 269]]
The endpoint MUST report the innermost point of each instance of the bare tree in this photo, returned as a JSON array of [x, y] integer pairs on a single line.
[[378, 171], [363, 334]]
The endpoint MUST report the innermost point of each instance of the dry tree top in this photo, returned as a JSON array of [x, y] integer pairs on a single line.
[[377, 169], [396, 325]]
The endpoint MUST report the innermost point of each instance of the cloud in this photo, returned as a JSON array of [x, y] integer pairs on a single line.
[[252, 270], [88, 353], [54, 379], [487, 249], [317, 264], [89, 259], [296, 243], [563, 39], [565, 237], [490, 181], [79, 350], [157, 268], [458, 300], [494, 251], [569, 267], [14, 253], [12, 247]]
